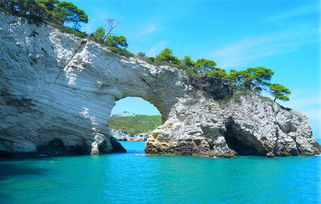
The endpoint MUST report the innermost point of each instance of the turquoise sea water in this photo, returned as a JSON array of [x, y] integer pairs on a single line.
[[135, 178]]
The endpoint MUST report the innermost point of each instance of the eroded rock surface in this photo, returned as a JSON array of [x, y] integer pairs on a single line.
[[57, 92], [57, 87], [242, 125]]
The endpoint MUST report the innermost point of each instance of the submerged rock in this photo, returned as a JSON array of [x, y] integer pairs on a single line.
[[57, 92]]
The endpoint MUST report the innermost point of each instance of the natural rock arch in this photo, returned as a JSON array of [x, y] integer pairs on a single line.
[[133, 119], [57, 87], [57, 92]]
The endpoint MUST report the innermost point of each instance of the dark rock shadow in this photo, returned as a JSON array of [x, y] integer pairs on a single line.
[[242, 142]]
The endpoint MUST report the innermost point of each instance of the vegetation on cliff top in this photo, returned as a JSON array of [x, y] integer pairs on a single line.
[[136, 123], [58, 14]]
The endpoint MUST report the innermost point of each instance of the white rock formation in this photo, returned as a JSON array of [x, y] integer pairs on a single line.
[[243, 124], [57, 86], [57, 92]]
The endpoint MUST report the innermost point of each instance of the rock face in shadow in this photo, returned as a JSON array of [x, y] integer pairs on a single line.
[[57, 92]]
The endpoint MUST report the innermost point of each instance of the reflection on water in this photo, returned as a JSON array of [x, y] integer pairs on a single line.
[[134, 178]]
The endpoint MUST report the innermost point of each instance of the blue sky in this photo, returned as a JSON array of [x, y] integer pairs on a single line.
[[283, 35]]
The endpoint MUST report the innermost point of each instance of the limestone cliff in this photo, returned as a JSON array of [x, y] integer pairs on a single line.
[[57, 92], [244, 125]]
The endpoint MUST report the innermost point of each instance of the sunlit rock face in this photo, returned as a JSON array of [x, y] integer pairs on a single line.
[[57, 92], [242, 125]]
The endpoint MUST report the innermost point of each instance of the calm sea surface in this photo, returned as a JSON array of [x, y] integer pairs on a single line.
[[135, 178]]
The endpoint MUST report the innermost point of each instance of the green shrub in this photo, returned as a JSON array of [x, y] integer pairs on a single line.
[[121, 51], [69, 30]]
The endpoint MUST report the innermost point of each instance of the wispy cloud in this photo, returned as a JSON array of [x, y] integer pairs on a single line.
[[156, 48], [297, 12], [285, 40], [246, 50], [149, 29]]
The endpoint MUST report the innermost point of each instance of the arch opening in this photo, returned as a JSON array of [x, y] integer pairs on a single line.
[[133, 119], [242, 142]]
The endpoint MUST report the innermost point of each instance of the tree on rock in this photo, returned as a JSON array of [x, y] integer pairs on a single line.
[[49, 4], [116, 41], [30, 9], [254, 78], [70, 13], [257, 78], [187, 61], [217, 73], [167, 56], [53, 14], [99, 35], [280, 92], [204, 65]]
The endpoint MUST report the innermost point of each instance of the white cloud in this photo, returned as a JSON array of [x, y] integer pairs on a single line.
[[246, 50], [156, 48], [297, 12], [149, 29], [281, 41]]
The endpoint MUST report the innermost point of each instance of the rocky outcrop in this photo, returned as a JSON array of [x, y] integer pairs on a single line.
[[243, 124], [57, 92], [124, 136]]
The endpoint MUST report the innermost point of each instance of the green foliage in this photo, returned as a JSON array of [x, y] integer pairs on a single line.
[[280, 92], [99, 35], [255, 79], [135, 124], [69, 30], [167, 56], [150, 60], [71, 13], [188, 62], [49, 4], [217, 73], [52, 11], [29, 9], [58, 15], [116, 41], [204, 65], [121, 51]]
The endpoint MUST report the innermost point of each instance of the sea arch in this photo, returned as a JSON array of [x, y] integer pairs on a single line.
[[105, 77], [57, 92]]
